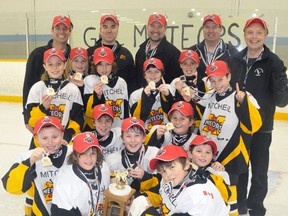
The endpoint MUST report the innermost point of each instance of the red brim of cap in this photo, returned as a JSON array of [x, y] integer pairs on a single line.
[[47, 124], [97, 116], [183, 112], [84, 148]]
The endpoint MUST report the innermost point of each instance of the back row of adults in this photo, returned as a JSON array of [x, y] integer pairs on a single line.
[[254, 64]]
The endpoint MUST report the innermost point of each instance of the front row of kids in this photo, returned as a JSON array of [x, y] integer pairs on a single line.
[[70, 180]]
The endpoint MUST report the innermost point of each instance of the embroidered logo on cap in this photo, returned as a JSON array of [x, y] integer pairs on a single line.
[[103, 107], [180, 105], [213, 67], [134, 120], [88, 139], [102, 53], [189, 53], [46, 119], [79, 50]]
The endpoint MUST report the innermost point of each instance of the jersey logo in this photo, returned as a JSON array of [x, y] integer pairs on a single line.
[[213, 124], [116, 107], [48, 190], [57, 111], [156, 117]]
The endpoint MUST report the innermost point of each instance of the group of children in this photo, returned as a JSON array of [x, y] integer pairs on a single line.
[[152, 133]]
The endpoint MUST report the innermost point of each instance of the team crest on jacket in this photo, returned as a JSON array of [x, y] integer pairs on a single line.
[[213, 124]]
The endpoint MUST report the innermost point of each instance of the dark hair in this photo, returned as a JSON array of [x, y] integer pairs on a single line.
[[73, 158], [160, 165], [94, 67], [153, 66], [136, 129]]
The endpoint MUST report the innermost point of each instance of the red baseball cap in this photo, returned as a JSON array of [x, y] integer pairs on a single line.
[[201, 139], [183, 107], [47, 121], [132, 121], [53, 52], [78, 51], [103, 54], [213, 17], [167, 153], [153, 61], [84, 141], [110, 17], [256, 20], [62, 19], [157, 18], [217, 68], [189, 54], [102, 109]]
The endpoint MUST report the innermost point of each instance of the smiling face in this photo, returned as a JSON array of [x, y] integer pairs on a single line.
[[60, 33], [211, 31], [255, 36], [55, 67], [189, 67], [50, 138], [202, 155], [108, 32], [133, 138], [103, 124], [88, 159], [80, 64], [156, 31], [180, 122], [220, 83], [153, 74], [174, 171]]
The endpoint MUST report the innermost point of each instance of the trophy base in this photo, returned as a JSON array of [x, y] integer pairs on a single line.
[[119, 192]]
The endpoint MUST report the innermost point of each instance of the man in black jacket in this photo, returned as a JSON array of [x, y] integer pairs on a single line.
[[109, 26], [259, 71], [60, 31], [212, 48], [157, 46]]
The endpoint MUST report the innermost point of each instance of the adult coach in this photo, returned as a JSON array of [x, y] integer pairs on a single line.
[[157, 46], [60, 31], [109, 26], [259, 71], [213, 47]]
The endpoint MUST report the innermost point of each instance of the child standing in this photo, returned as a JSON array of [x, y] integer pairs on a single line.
[[135, 158], [109, 138], [37, 168], [79, 187], [183, 191], [78, 66], [55, 96], [181, 116], [185, 84], [229, 118], [152, 103], [105, 87]]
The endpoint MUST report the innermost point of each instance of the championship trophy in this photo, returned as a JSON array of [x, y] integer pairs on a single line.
[[118, 194]]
